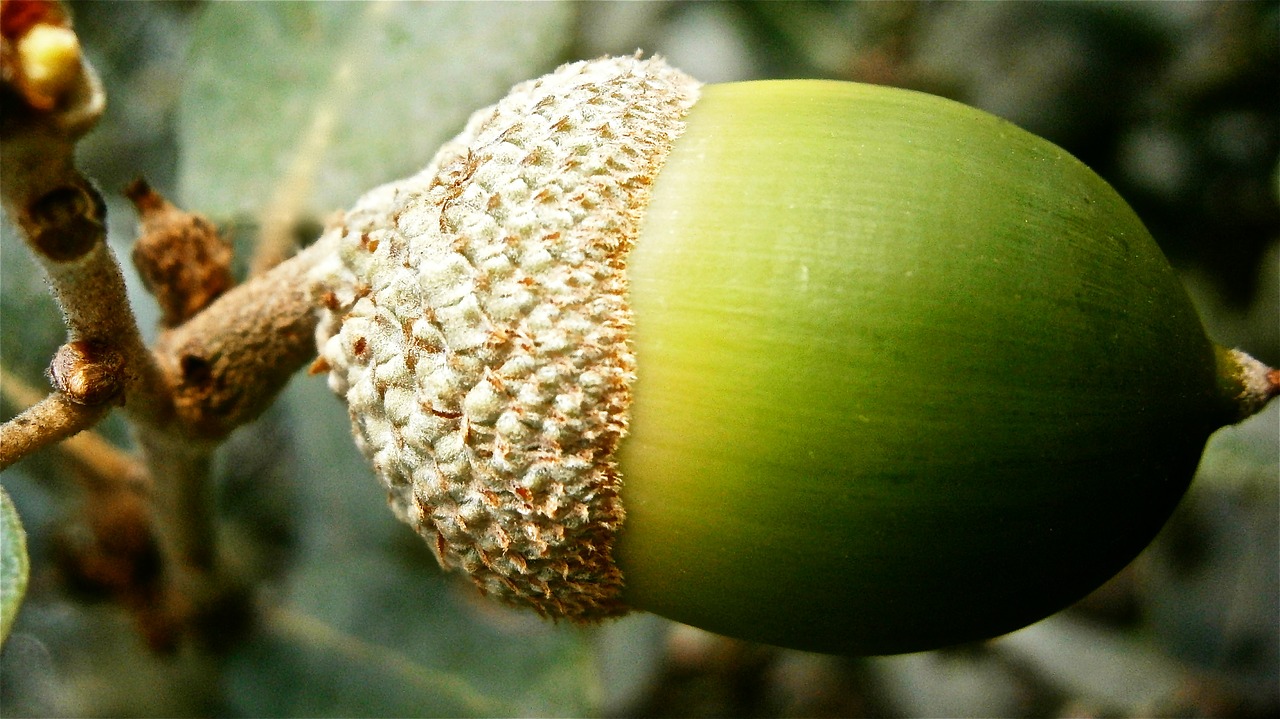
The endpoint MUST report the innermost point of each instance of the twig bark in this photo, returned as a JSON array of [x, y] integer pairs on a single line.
[[90, 289]]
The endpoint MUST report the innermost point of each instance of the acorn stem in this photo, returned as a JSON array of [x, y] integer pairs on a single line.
[[1248, 383]]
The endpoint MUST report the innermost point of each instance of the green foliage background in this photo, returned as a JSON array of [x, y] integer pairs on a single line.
[[227, 108]]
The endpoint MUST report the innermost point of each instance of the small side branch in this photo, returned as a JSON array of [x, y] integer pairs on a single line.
[[47, 422], [228, 363], [87, 377]]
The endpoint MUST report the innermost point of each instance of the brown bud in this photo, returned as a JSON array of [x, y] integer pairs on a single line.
[[183, 260], [40, 55], [87, 372]]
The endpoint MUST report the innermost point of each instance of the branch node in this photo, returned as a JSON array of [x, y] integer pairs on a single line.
[[66, 222]]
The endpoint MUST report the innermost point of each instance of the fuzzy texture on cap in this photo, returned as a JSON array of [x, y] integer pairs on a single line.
[[477, 324]]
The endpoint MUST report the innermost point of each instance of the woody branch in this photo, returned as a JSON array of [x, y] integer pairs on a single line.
[[224, 353]]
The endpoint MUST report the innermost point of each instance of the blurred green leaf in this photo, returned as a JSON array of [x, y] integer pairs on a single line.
[[319, 670], [326, 100], [13, 564], [1107, 671], [1244, 455]]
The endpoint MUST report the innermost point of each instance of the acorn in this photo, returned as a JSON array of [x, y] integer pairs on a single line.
[[824, 365]]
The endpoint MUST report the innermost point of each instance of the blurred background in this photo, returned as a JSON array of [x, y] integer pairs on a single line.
[[251, 111]]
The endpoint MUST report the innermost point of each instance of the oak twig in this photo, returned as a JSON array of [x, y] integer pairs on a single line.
[[224, 353]]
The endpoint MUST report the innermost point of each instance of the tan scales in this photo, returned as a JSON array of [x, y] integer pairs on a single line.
[[477, 324]]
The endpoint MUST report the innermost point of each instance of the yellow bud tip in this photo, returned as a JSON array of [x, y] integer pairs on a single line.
[[49, 58]]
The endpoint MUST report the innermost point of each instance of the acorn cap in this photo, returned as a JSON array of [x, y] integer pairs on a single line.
[[476, 322]]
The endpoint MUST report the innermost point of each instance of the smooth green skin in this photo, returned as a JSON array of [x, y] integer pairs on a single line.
[[909, 376]]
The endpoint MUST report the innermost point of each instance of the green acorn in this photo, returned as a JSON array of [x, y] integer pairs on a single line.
[[824, 365]]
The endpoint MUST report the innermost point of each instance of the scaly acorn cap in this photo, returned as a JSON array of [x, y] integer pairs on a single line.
[[477, 326]]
